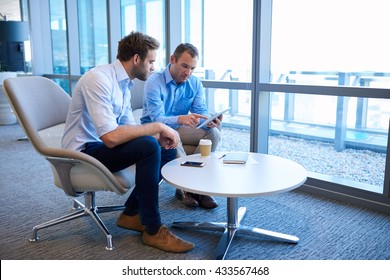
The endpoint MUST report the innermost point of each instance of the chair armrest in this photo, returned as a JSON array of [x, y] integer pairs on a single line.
[[63, 167]]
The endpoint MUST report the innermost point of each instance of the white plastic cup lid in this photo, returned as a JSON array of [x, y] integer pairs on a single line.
[[205, 142]]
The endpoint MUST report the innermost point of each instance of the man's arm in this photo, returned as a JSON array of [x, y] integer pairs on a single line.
[[167, 137]]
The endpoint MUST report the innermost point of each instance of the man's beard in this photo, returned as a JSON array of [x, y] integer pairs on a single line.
[[141, 75]]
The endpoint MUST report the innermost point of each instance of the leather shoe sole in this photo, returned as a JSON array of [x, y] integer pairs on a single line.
[[130, 222], [165, 240]]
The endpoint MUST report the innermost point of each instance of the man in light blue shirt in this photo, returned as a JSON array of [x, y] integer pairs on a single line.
[[176, 98], [100, 123]]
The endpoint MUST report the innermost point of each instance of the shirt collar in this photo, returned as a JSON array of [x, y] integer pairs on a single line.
[[121, 74], [168, 76]]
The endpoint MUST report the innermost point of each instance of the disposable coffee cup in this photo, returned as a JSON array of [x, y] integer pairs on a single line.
[[205, 147]]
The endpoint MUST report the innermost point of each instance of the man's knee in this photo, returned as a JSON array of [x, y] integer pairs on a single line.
[[147, 145], [144, 146], [214, 135], [180, 152]]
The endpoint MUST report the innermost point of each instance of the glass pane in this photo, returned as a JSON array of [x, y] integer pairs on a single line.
[[147, 16], [236, 123], [27, 44], [331, 42], [58, 37], [64, 83], [225, 46], [93, 34], [352, 150]]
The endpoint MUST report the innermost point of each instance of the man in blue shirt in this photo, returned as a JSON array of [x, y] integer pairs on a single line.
[[176, 98], [100, 123]]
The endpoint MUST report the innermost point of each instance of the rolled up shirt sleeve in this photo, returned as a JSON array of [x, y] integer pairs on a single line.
[[99, 105]]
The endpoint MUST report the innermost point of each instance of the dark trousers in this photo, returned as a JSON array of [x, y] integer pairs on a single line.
[[149, 157]]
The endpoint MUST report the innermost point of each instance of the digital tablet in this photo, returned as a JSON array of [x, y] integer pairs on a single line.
[[213, 117]]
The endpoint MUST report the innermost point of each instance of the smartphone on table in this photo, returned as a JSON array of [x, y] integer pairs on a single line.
[[193, 163]]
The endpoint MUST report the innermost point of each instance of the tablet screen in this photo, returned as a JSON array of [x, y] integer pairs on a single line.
[[212, 117]]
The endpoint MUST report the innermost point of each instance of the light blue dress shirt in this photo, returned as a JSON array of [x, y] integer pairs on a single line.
[[100, 103], [164, 100]]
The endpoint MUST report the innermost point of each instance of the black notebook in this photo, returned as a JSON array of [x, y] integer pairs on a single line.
[[235, 158]]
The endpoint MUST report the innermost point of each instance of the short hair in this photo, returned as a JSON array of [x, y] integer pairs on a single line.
[[136, 43], [186, 47]]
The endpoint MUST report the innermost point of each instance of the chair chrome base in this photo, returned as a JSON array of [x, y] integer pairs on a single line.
[[89, 209], [233, 226]]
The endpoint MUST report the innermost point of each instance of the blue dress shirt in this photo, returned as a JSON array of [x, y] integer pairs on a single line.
[[164, 100], [100, 103]]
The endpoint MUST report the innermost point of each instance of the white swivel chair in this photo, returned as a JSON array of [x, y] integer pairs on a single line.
[[41, 107]]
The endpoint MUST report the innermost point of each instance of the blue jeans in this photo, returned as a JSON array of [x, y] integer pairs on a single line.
[[149, 157]]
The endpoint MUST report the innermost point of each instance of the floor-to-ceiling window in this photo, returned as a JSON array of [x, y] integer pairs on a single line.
[[59, 41], [338, 133], [147, 17], [333, 44], [225, 48], [93, 34], [58, 33], [84, 34]]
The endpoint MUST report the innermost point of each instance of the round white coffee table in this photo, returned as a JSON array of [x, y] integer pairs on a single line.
[[261, 175]]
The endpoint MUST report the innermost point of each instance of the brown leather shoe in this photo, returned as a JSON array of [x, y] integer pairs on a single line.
[[187, 198], [130, 222], [207, 202], [165, 240]]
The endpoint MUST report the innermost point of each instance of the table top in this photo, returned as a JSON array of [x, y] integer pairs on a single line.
[[262, 174]]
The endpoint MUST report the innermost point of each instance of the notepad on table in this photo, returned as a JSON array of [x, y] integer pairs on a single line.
[[235, 158]]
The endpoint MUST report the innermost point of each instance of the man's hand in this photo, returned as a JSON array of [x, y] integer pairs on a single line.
[[216, 122], [168, 137], [190, 119]]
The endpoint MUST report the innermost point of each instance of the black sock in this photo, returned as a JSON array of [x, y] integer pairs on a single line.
[[152, 229], [130, 212]]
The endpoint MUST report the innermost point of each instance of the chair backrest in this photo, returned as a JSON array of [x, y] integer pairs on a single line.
[[41, 107], [137, 94]]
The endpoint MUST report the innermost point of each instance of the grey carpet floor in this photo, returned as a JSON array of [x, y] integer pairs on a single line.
[[328, 230]]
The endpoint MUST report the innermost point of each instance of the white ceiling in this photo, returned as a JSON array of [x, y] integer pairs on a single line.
[[11, 9]]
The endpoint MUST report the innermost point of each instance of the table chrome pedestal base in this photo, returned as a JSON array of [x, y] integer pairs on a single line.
[[233, 226]]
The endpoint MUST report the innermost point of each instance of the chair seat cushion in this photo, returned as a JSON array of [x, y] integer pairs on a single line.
[[87, 178]]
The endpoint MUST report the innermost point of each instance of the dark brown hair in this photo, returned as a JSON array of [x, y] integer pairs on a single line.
[[186, 47], [136, 43]]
